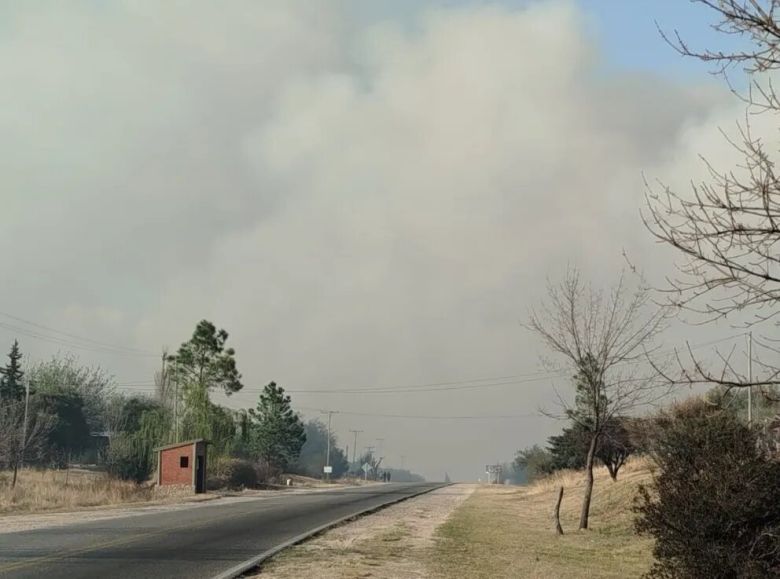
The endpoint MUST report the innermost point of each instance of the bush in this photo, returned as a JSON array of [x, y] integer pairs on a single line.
[[126, 461], [714, 508], [242, 475], [232, 473]]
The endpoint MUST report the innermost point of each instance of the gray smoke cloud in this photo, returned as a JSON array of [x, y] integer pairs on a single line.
[[358, 206]]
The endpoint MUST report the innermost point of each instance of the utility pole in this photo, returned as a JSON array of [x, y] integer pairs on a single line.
[[354, 446], [750, 378], [330, 413]]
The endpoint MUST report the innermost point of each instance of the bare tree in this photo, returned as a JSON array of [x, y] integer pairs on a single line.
[[728, 228], [603, 340], [18, 442]]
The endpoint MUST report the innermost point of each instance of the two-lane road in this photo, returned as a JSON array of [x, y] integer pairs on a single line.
[[203, 541]]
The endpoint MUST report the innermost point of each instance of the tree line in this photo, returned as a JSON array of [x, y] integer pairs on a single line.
[[57, 412]]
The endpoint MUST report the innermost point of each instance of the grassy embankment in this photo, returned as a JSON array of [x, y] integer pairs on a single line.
[[60, 490], [508, 531]]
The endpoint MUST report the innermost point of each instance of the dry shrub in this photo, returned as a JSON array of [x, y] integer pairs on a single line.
[[232, 473]]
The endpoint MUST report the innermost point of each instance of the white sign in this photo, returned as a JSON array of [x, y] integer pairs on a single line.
[[327, 469], [366, 467]]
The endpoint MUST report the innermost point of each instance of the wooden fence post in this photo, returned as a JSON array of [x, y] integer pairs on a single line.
[[558, 528]]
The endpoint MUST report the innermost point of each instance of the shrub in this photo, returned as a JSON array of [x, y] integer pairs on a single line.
[[242, 475], [714, 508], [232, 473], [128, 461]]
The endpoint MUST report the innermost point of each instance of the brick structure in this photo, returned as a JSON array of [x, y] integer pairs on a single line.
[[182, 464]]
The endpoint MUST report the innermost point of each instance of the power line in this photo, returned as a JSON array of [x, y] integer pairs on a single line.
[[429, 387], [479, 383], [429, 417], [413, 389], [471, 384], [69, 343], [75, 336], [402, 389]]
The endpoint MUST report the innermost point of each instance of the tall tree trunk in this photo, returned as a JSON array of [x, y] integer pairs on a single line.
[[588, 483], [16, 470]]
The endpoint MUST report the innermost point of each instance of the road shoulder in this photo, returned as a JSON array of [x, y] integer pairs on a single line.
[[394, 542]]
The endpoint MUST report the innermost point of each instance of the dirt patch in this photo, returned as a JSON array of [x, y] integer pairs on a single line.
[[395, 542]]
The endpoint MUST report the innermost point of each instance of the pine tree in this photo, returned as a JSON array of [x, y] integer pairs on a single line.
[[11, 386], [277, 432], [202, 364], [205, 362]]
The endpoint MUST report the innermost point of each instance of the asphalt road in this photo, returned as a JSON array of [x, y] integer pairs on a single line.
[[198, 542]]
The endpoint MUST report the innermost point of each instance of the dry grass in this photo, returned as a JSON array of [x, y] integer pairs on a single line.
[[508, 531], [52, 490]]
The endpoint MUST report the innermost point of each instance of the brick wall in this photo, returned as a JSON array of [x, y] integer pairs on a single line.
[[170, 463]]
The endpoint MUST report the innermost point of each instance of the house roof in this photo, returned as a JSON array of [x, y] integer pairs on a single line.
[[185, 443]]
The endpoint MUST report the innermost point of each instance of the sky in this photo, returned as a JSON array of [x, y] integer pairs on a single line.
[[363, 194]]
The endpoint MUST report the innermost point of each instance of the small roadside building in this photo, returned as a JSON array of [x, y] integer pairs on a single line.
[[183, 464]]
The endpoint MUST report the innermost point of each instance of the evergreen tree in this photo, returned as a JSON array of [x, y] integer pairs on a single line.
[[69, 434], [615, 445], [277, 432], [206, 362], [570, 448], [202, 364], [11, 386]]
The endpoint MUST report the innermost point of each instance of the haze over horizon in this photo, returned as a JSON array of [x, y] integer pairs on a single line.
[[363, 196]]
